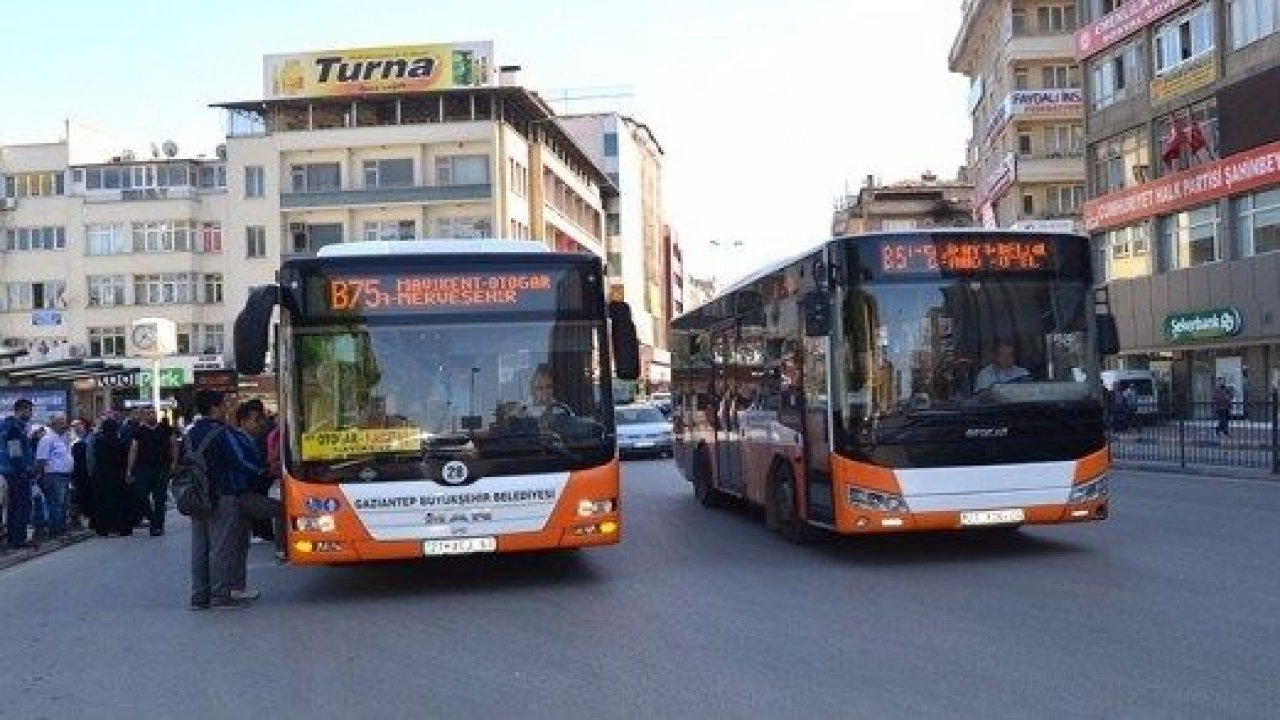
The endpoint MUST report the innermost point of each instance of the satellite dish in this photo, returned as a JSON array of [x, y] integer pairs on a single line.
[[222, 151], [170, 148], [127, 155]]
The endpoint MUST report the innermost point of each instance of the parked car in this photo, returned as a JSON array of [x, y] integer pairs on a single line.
[[642, 430], [1144, 385]]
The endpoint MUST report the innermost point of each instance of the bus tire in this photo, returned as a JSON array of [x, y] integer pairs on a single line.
[[783, 510], [703, 489]]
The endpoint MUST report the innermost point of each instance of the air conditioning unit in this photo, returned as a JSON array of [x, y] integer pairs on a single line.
[[8, 203]]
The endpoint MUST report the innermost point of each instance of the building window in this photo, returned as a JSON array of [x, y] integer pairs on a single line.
[[1056, 18], [1116, 72], [1066, 140], [1028, 205], [462, 170], [163, 288], [163, 236], [1064, 199], [40, 295], [1021, 78], [1024, 144], [1018, 20], [255, 181], [106, 240], [37, 184], [308, 238], [210, 238], [213, 176], [1189, 136], [1186, 38], [213, 340], [106, 341], [1120, 161], [1060, 77], [255, 242], [1192, 236], [106, 290], [1127, 252], [316, 177], [211, 286], [611, 144], [390, 230], [390, 173], [463, 227], [519, 177], [25, 239], [1258, 222], [1252, 20]]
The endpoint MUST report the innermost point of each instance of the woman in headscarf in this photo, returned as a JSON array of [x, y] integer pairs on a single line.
[[112, 502], [80, 478]]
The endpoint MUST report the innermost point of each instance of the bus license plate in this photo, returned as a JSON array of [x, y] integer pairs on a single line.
[[993, 517], [459, 546]]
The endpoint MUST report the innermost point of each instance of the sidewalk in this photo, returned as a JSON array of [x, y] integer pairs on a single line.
[[9, 558]]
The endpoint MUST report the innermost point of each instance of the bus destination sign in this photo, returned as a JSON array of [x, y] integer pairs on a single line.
[[939, 255], [394, 293]]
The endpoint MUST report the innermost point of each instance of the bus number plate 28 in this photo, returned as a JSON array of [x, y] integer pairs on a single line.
[[992, 517], [459, 546]]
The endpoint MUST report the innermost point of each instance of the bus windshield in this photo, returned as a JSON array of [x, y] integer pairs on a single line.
[[922, 346], [381, 401]]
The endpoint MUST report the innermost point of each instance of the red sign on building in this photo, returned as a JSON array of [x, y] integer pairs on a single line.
[[1236, 174], [1120, 23]]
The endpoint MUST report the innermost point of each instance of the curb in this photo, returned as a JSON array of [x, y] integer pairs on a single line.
[[1195, 470], [16, 557]]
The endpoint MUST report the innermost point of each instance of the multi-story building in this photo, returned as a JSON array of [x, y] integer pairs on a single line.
[[329, 156], [905, 205], [674, 272], [629, 153], [91, 246], [1183, 133], [1025, 153], [698, 291]]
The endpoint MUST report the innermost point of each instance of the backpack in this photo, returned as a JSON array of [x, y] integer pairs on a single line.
[[192, 489]]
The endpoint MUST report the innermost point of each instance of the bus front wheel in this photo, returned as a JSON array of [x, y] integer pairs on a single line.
[[783, 511]]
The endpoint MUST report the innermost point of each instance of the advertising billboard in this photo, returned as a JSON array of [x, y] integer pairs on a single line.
[[370, 71]]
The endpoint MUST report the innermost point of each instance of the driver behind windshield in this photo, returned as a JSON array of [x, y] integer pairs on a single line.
[[1003, 369], [540, 403]]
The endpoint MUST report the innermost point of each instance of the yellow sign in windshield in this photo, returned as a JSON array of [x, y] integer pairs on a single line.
[[337, 444]]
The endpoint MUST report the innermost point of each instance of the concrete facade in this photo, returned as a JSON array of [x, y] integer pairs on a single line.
[[905, 205]]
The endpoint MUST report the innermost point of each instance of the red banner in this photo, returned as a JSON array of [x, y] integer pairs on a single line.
[[1120, 24], [1239, 173]]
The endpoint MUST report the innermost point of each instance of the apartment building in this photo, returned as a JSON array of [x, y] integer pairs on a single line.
[[1183, 135], [1026, 148], [639, 260], [89, 246], [905, 205]]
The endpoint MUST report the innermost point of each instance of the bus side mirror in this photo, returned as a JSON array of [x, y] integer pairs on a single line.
[[252, 330], [817, 314], [1108, 335], [626, 346]]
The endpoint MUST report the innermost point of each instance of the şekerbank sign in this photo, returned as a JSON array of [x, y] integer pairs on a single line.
[[1203, 325]]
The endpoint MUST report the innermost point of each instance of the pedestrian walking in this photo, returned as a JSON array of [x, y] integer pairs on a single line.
[[216, 540], [54, 468], [151, 458], [17, 464], [1222, 397]]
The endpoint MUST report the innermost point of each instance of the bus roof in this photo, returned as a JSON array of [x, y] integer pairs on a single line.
[[442, 246]]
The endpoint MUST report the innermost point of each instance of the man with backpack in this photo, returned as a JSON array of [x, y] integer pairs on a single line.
[[218, 530]]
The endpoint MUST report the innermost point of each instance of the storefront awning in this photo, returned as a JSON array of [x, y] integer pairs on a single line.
[[63, 371]]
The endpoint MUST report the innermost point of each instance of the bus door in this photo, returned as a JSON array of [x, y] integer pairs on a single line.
[[728, 399], [817, 430]]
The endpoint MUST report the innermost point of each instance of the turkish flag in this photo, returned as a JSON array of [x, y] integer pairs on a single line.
[[1173, 140], [1193, 136]]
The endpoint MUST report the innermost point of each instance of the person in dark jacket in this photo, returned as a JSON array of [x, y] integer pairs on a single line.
[[216, 541], [80, 476], [112, 500]]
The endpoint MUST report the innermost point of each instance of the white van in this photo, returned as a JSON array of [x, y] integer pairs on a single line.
[[1143, 382]]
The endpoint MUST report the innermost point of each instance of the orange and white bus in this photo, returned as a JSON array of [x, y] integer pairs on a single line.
[[901, 381], [443, 398]]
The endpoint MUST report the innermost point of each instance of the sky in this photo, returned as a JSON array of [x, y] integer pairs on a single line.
[[767, 110]]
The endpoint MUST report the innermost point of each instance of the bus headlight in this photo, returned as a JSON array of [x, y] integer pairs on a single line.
[[877, 500], [1099, 487], [589, 508], [318, 523]]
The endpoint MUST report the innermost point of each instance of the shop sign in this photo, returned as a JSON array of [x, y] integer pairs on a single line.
[[1044, 102], [46, 402], [172, 377], [1000, 179], [1232, 175], [1203, 325], [227, 381], [1188, 78], [1120, 23]]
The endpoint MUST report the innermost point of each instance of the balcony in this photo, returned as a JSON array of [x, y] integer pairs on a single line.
[[178, 192], [1050, 169], [385, 196], [1026, 46]]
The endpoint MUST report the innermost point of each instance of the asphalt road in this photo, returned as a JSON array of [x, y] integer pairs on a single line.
[[1170, 609]]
